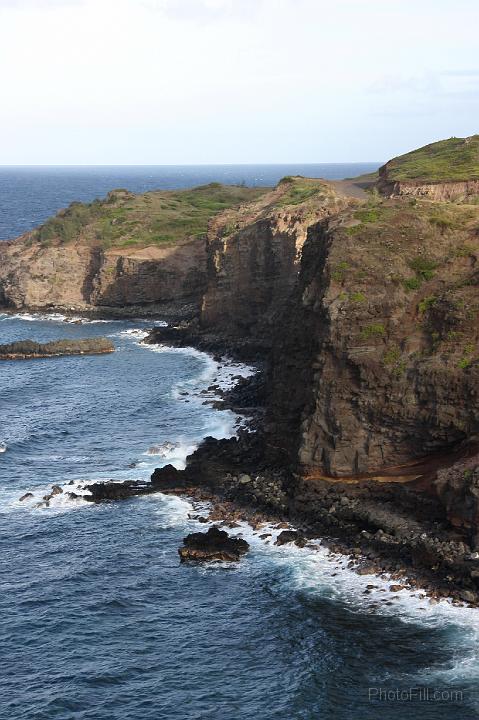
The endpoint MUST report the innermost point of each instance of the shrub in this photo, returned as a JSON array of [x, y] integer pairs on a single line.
[[426, 303], [339, 271], [423, 267], [373, 330], [358, 297], [392, 356], [367, 216], [413, 283], [443, 223]]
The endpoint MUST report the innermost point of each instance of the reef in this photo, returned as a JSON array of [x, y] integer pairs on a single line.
[[28, 349]]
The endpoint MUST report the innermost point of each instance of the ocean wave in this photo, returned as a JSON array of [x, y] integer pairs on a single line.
[[136, 333], [57, 317], [61, 502], [317, 571], [172, 511]]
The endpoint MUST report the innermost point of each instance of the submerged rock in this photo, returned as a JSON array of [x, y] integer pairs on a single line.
[[214, 545]]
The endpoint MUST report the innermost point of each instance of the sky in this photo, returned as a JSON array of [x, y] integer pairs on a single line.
[[234, 81]]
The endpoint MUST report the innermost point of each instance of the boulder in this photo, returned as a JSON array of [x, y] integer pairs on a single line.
[[290, 536], [215, 545], [168, 478]]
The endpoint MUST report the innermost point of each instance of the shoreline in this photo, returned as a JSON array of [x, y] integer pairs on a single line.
[[339, 516]]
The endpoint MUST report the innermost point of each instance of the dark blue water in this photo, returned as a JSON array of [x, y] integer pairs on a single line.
[[99, 621], [29, 195]]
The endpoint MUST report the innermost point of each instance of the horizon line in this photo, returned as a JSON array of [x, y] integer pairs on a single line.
[[151, 165]]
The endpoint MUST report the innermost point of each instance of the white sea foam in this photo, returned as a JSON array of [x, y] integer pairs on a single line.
[[317, 571], [164, 449], [60, 317], [58, 503], [136, 333], [175, 454], [172, 511]]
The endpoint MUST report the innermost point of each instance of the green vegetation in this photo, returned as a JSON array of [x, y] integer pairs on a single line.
[[354, 229], [426, 303], [467, 356], [424, 270], [299, 189], [368, 215], [449, 160], [442, 222], [413, 283], [339, 272], [393, 360], [358, 297], [423, 267], [392, 356], [155, 218], [463, 251], [373, 330]]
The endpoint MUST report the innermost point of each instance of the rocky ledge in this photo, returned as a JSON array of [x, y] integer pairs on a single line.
[[27, 349], [213, 545]]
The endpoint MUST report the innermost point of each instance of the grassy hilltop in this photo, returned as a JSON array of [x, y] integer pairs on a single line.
[[452, 160], [162, 218], [124, 219]]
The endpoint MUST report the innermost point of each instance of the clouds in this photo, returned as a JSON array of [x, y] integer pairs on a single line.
[[152, 81]]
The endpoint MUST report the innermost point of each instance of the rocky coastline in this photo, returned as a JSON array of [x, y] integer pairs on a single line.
[[389, 531], [360, 311]]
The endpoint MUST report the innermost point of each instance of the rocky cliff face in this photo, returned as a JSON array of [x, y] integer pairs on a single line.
[[146, 251], [254, 253], [377, 363], [82, 277], [439, 191]]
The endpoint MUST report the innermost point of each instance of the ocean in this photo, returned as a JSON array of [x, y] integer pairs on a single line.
[[98, 619]]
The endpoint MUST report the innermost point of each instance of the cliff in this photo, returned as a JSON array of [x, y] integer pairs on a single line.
[[442, 171], [364, 306], [377, 363], [254, 254], [129, 251]]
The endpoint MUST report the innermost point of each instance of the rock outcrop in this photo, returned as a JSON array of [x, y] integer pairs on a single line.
[[27, 349], [76, 277], [254, 255], [440, 191], [215, 545], [458, 489]]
